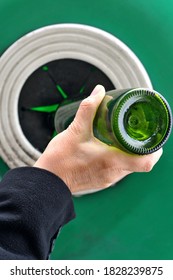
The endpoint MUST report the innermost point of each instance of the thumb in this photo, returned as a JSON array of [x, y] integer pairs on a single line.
[[87, 110]]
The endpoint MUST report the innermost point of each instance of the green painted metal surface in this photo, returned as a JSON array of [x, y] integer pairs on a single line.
[[132, 220]]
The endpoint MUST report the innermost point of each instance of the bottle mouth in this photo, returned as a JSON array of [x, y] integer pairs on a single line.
[[141, 121]]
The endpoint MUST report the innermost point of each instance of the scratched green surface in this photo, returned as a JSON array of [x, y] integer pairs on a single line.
[[134, 219]]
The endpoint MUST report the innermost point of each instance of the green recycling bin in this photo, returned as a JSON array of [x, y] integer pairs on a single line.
[[133, 219]]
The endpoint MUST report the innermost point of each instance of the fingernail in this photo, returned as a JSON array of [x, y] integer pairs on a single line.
[[97, 89]]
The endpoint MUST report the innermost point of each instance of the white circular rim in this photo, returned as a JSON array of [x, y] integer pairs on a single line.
[[49, 43]]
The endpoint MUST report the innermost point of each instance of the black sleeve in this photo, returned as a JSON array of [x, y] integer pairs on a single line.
[[34, 205]]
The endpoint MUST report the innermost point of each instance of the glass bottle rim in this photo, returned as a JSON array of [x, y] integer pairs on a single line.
[[119, 130]]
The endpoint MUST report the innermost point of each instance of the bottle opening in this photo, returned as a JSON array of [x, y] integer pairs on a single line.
[[146, 119], [141, 121]]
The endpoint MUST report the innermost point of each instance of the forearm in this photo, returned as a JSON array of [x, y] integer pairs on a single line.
[[34, 205]]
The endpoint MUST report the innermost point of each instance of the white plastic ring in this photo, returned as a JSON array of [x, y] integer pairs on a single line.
[[44, 45]]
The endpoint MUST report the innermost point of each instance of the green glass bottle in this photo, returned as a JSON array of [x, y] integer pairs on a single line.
[[136, 120]]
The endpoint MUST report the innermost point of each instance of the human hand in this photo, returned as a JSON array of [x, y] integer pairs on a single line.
[[83, 162]]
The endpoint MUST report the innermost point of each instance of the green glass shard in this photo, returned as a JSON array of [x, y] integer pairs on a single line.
[[62, 92], [82, 89], [45, 68], [46, 109], [54, 133]]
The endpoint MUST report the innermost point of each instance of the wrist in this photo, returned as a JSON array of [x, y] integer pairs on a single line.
[[46, 162]]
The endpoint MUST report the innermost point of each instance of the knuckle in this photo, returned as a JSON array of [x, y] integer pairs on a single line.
[[141, 164], [107, 172], [87, 102], [148, 166]]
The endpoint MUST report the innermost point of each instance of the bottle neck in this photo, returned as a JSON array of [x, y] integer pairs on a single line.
[[65, 114]]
